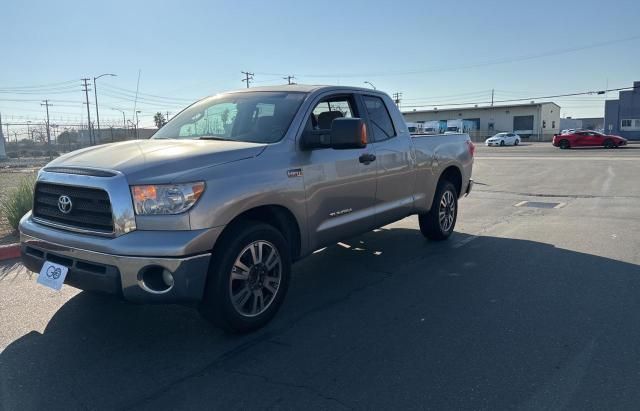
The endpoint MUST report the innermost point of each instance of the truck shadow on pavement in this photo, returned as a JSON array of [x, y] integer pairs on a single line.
[[385, 320]]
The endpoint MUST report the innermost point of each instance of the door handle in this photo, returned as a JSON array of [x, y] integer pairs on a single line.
[[367, 158]]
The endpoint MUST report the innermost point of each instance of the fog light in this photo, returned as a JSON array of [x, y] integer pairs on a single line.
[[167, 277], [155, 279]]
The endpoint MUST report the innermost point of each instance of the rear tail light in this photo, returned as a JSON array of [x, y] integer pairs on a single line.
[[472, 148]]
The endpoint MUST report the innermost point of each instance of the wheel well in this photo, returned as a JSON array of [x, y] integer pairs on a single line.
[[453, 174], [277, 216]]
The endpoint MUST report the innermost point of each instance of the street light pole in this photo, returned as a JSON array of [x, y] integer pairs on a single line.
[[371, 84], [124, 120], [95, 95]]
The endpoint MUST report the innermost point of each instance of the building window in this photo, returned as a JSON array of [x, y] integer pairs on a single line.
[[553, 124], [630, 124]]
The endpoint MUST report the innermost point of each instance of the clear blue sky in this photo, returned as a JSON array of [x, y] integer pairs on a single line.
[[189, 49]]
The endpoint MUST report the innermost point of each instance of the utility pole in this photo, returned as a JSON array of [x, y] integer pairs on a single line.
[[46, 104], [397, 98], [247, 77], [289, 78], [166, 120], [85, 88], [492, 93]]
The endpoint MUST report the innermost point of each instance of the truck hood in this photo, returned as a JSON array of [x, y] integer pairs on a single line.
[[159, 161]]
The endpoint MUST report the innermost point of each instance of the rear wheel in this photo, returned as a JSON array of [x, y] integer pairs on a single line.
[[609, 144], [515, 143], [564, 144], [439, 222], [248, 278]]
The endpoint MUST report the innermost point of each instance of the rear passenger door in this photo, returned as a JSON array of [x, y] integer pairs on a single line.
[[394, 194]]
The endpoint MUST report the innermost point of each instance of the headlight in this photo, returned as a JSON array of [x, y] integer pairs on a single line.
[[166, 198]]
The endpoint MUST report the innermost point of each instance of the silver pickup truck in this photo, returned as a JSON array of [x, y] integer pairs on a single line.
[[215, 207]]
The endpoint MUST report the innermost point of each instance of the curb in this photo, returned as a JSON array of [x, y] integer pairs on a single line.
[[7, 252]]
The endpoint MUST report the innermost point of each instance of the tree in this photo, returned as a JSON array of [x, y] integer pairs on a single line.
[[68, 137], [159, 119]]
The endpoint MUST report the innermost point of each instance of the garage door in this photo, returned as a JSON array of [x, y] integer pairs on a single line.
[[523, 125]]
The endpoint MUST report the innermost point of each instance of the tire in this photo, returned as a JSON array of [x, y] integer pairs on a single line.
[[564, 144], [502, 143], [515, 143], [240, 300], [431, 223], [609, 144]]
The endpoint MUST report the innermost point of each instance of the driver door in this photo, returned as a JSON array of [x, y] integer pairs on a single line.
[[340, 185]]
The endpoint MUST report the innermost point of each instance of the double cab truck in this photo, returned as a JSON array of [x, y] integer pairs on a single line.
[[218, 204]]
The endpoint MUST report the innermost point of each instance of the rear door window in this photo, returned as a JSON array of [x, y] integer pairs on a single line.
[[379, 118]]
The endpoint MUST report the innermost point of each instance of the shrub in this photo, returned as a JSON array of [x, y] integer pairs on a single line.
[[18, 202]]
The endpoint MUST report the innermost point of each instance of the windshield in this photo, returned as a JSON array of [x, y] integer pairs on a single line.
[[258, 117]]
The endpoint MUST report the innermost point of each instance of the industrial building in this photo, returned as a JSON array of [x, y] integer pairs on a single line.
[[533, 121], [622, 116], [585, 123]]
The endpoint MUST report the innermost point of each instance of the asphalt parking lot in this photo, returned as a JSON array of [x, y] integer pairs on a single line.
[[524, 307]]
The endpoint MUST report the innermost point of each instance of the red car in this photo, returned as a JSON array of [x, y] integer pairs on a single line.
[[587, 138]]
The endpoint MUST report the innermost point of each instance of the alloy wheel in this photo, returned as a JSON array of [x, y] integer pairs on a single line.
[[255, 278], [447, 210]]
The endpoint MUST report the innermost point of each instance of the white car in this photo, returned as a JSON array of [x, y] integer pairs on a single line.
[[503, 139]]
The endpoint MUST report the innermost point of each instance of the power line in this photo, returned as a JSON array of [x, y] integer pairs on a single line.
[[596, 92], [503, 60]]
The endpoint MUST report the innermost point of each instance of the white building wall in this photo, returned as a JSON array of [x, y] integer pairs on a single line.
[[500, 116]]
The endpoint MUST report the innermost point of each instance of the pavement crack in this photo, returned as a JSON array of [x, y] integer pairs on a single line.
[[269, 380]]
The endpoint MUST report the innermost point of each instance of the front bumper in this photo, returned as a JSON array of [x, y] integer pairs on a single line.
[[109, 266], [492, 143]]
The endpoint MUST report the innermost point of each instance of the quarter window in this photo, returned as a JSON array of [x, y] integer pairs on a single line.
[[379, 118]]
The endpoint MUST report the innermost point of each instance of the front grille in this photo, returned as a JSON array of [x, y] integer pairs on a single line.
[[91, 208]]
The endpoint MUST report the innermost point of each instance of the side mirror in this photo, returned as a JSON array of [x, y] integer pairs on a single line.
[[345, 133], [348, 133]]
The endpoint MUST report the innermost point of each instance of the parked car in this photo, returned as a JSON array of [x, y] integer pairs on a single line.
[[215, 207], [587, 138], [503, 139]]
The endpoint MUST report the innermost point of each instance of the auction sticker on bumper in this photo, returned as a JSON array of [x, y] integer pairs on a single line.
[[52, 275]]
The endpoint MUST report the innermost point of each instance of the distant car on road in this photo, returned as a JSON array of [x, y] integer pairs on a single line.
[[588, 138], [503, 139]]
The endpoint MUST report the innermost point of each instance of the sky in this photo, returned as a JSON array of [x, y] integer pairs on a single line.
[[434, 53]]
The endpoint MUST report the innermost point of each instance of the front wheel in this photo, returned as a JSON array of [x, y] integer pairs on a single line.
[[439, 222], [564, 144], [502, 143], [248, 278]]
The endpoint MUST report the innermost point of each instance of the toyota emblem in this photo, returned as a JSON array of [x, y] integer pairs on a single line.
[[64, 204]]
